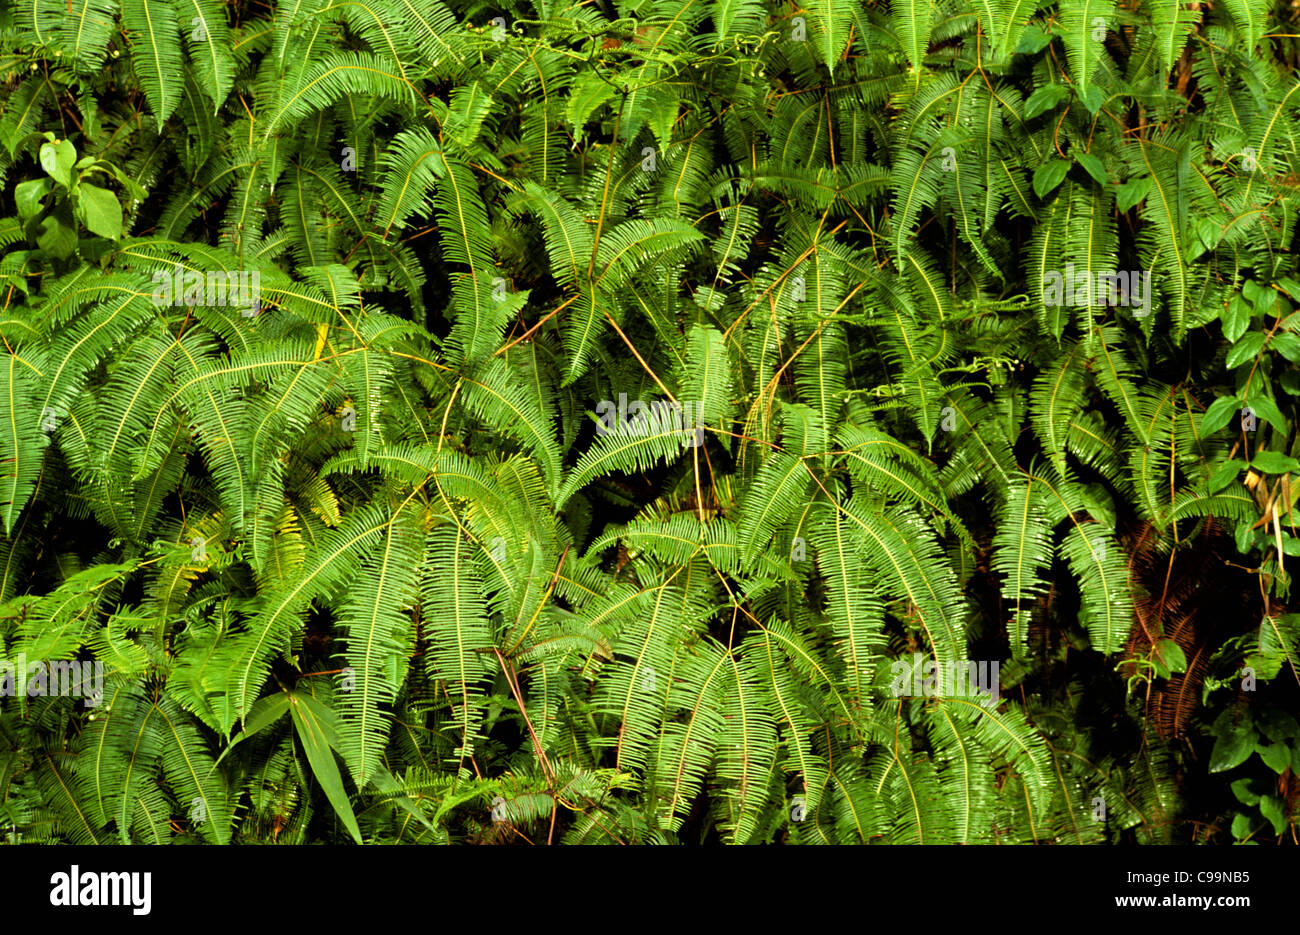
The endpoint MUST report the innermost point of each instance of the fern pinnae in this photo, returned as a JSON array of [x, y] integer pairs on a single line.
[[375, 616], [833, 234]]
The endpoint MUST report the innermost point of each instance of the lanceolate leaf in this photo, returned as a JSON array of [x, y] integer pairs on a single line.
[[318, 734]]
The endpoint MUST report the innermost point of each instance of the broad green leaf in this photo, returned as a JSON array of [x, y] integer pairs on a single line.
[[1132, 192], [1049, 175], [1044, 99], [1219, 414], [57, 159], [1230, 750], [1094, 166], [28, 195], [1274, 462], [100, 210], [1246, 349], [1235, 318], [1171, 655], [1277, 756]]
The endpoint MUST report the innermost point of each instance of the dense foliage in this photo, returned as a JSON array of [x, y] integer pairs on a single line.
[[450, 422]]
